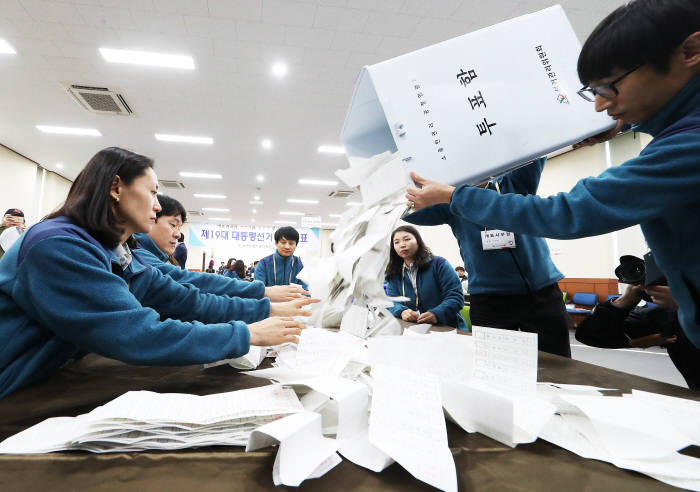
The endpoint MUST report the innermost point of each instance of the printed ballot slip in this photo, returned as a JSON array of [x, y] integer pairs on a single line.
[[477, 105]]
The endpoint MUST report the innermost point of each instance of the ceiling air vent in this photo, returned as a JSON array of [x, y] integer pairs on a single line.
[[99, 100], [195, 213], [177, 185], [341, 193]]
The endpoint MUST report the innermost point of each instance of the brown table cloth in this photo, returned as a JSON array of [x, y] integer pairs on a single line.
[[482, 463]]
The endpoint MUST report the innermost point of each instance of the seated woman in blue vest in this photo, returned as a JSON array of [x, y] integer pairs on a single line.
[[156, 249], [70, 284], [429, 282]]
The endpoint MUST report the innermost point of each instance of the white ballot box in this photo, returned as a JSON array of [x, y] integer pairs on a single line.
[[477, 105]]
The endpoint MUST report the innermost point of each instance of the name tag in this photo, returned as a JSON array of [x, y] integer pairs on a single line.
[[495, 239]]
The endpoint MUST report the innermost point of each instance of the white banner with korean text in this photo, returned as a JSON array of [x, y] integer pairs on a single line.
[[247, 243]]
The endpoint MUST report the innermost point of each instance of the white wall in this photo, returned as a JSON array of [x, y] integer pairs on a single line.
[[21, 186]]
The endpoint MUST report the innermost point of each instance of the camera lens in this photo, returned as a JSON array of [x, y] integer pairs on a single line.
[[631, 270]]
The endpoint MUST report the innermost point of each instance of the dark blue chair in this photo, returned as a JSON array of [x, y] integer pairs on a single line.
[[582, 300]]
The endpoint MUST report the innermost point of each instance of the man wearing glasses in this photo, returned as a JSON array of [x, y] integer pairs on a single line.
[[641, 65]]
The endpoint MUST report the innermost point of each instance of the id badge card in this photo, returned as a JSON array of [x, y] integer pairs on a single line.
[[497, 239]]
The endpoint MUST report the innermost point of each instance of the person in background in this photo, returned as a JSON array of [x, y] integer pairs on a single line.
[[180, 253], [431, 285], [156, 248], [512, 286], [222, 268], [251, 270], [228, 269], [282, 267], [71, 284], [210, 268], [464, 280], [14, 217], [621, 323], [641, 65], [238, 270]]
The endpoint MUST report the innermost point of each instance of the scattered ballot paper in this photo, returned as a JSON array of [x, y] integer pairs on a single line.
[[303, 451], [407, 423], [140, 420]]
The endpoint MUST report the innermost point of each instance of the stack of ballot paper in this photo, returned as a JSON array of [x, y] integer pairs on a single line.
[[140, 420]]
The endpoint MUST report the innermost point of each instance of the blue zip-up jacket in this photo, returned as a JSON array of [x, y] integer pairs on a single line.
[[180, 254], [439, 291], [523, 270], [658, 190], [286, 273], [62, 292], [247, 310], [213, 284]]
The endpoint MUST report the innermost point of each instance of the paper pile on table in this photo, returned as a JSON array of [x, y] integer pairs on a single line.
[[140, 420]]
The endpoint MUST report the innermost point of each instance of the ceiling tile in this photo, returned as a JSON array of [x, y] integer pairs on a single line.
[[236, 9], [391, 24], [308, 37], [47, 11], [211, 28], [374, 5], [340, 18], [260, 32], [185, 7], [438, 9], [355, 41], [107, 17], [288, 13], [160, 23], [12, 9]]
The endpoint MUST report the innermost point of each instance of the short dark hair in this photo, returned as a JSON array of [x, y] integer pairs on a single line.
[[89, 204], [422, 258], [171, 208], [287, 232], [637, 33], [460, 268]]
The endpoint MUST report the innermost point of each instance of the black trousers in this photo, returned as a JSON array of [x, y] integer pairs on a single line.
[[542, 312], [686, 357]]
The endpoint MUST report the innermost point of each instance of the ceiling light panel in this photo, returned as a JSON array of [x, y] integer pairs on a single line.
[[148, 58], [330, 149], [208, 195], [164, 137], [210, 209], [300, 200], [318, 182], [293, 213], [200, 175], [279, 70], [64, 130], [220, 219], [5, 48]]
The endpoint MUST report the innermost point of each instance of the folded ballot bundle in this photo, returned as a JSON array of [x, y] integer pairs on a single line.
[[477, 105]]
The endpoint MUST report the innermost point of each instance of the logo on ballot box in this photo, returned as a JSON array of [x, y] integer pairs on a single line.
[[551, 74]]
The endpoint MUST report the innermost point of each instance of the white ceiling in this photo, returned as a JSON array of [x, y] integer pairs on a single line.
[[231, 95]]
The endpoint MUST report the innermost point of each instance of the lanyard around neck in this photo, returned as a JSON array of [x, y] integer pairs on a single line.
[[403, 285], [274, 268]]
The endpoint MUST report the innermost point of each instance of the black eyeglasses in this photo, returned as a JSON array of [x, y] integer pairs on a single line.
[[608, 90]]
